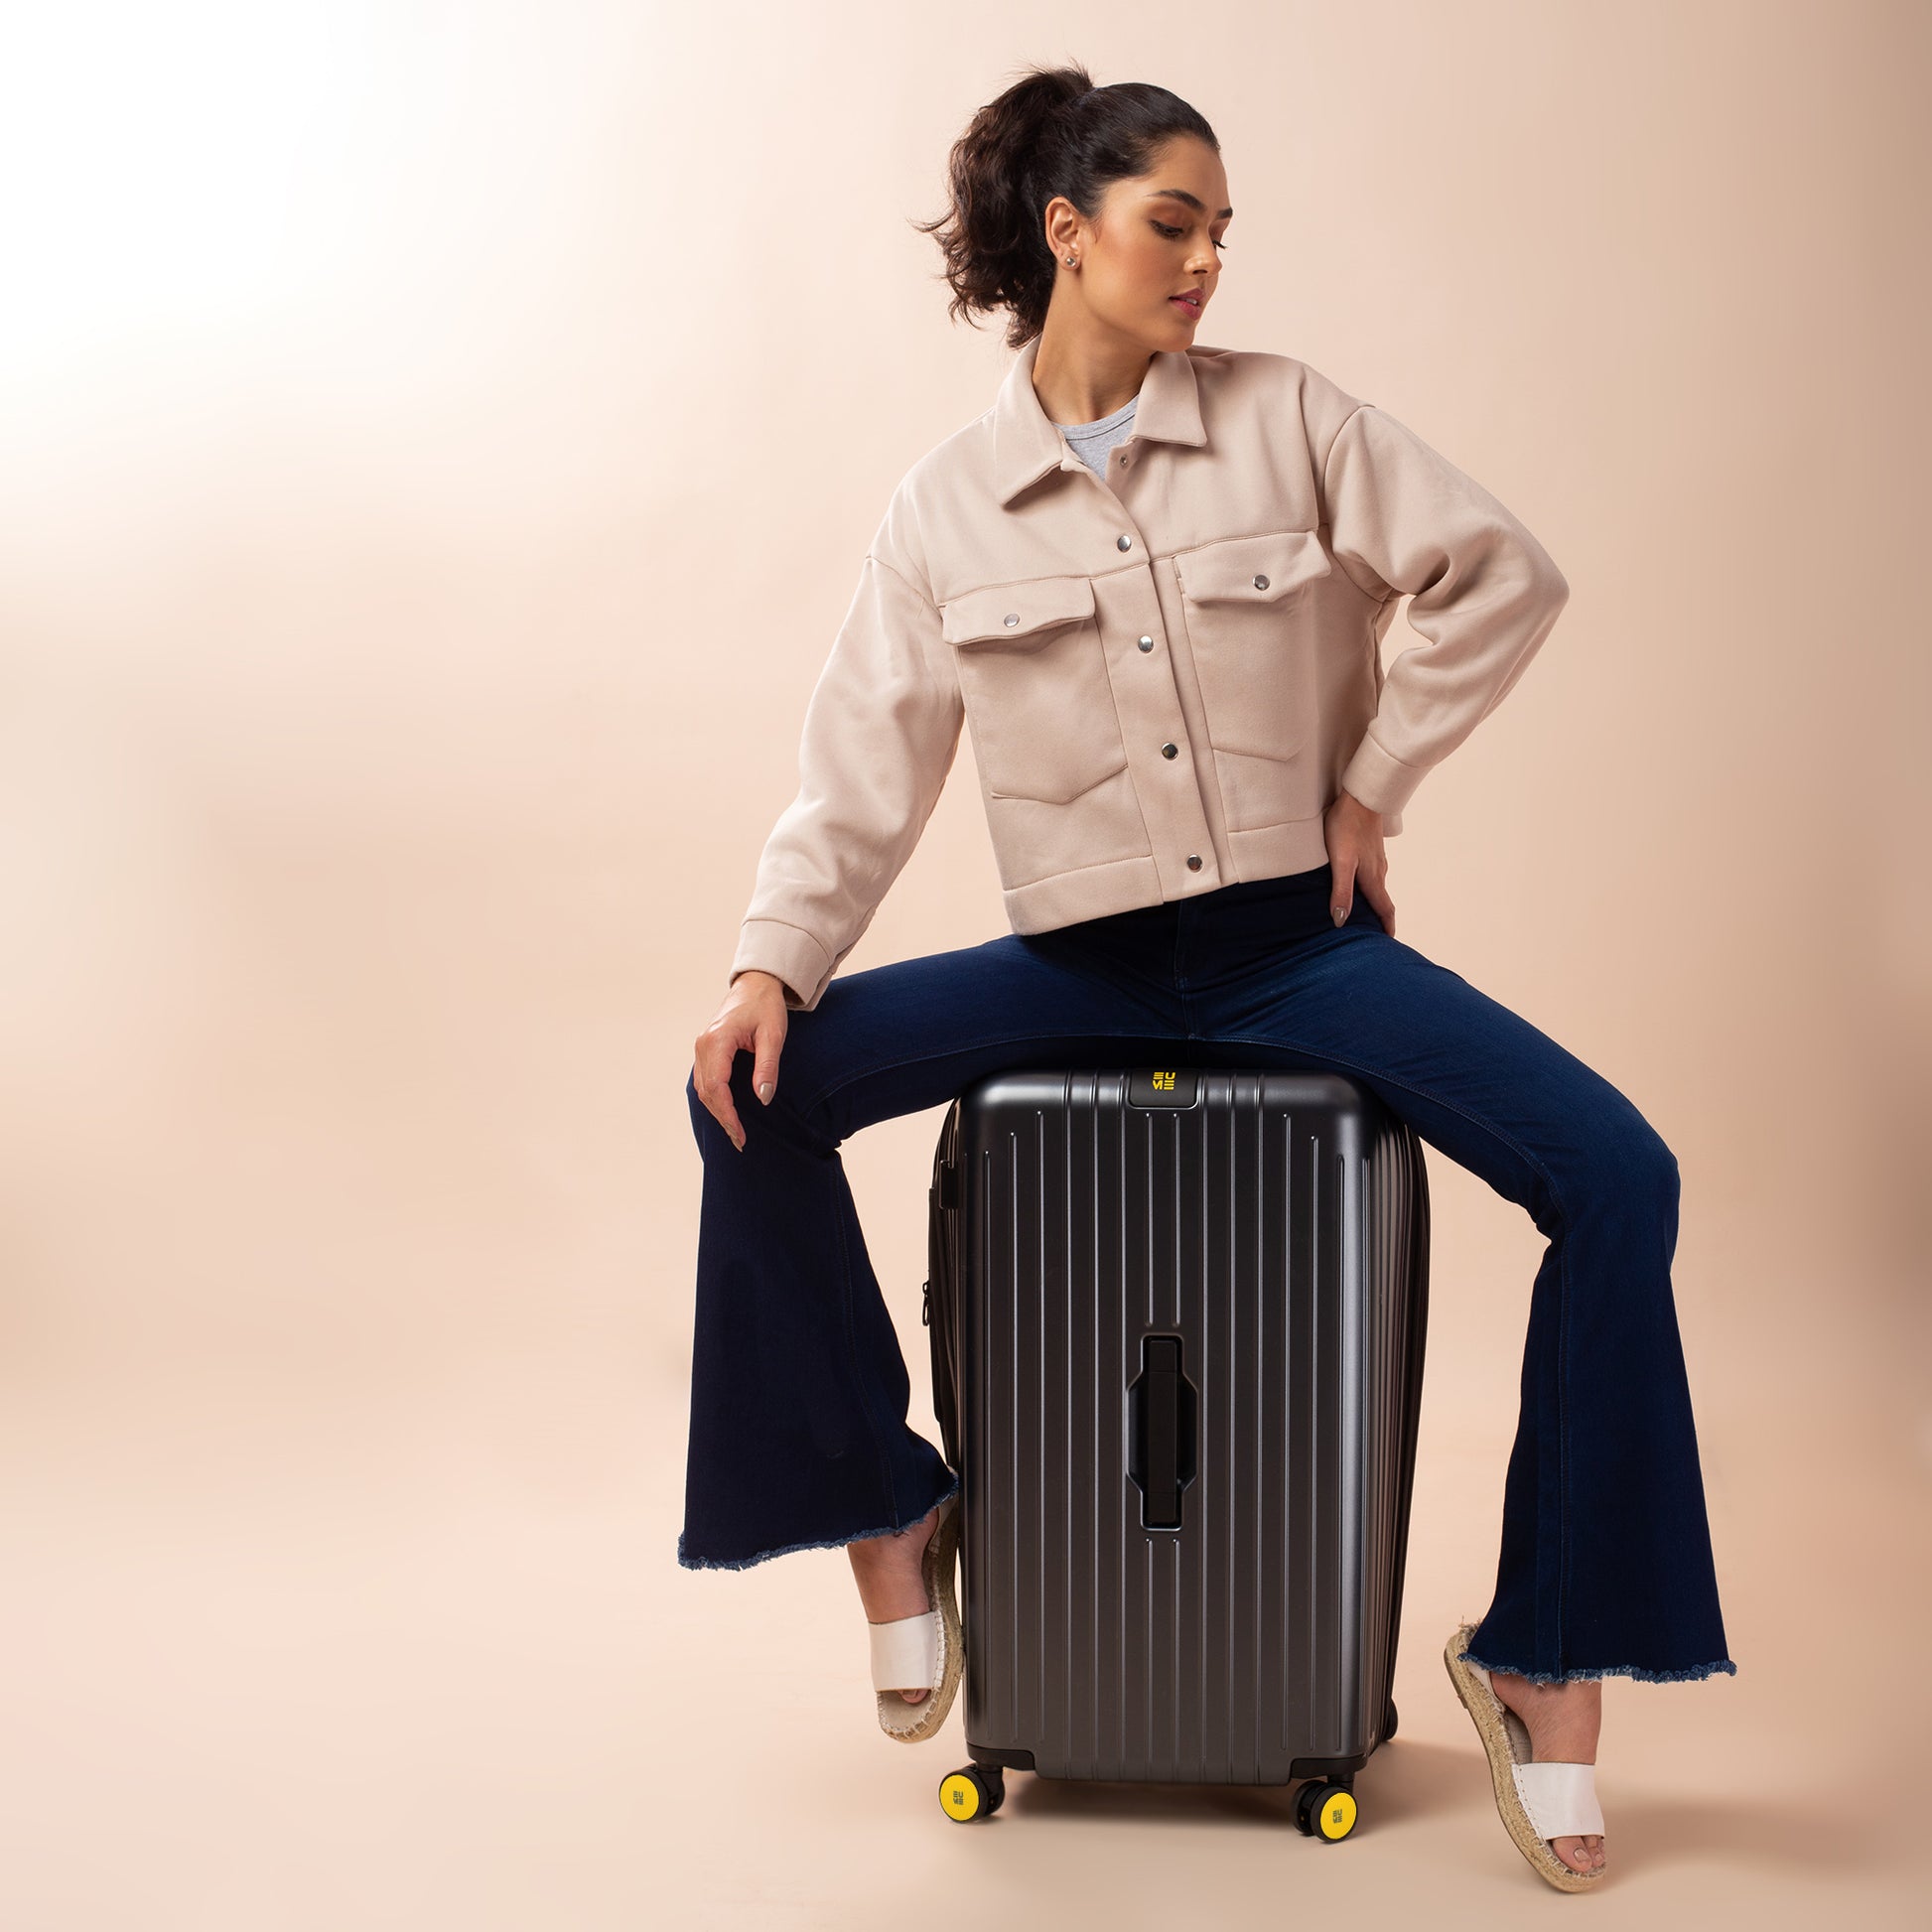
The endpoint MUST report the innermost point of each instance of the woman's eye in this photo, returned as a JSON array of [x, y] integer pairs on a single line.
[[1174, 233]]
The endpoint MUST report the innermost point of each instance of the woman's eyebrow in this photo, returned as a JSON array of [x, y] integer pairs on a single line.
[[1192, 200]]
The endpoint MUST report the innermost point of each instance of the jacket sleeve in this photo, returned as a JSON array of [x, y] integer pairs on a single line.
[[1483, 592], [880, 732]]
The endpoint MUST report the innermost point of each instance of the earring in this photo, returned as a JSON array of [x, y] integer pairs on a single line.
[[1070, 262]]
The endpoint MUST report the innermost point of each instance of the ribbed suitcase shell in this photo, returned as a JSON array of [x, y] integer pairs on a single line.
[[1276, 1222]]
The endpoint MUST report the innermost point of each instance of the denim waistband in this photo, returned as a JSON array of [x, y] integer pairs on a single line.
[[1297, 903], [1294, 886], [1233, 929]]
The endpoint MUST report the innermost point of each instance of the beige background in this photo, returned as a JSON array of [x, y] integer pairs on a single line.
[[378, 799]]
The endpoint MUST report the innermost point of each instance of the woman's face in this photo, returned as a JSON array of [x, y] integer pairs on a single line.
[[1157, 239]]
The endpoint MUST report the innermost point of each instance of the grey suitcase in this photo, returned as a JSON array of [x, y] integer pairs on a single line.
[[1177, 1323]]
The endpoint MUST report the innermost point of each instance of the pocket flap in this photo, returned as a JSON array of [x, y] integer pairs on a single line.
[[1005, 612], [1252, 570]]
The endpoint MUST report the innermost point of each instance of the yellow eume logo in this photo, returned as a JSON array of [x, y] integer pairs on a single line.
[[1164, 1081]]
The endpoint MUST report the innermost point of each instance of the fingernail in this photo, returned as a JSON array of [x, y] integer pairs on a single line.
[[765, 1093], [1336, 914]]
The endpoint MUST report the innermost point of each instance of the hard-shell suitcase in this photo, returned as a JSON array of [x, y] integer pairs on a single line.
[[1178, 1323]]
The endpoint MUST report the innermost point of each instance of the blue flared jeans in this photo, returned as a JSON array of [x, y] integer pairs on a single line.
[[800, 1391]]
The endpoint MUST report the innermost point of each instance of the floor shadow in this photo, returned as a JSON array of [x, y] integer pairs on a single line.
[[1408, 1781]]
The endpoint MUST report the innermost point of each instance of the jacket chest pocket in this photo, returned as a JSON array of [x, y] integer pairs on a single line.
[[1250, 634], [1032, 675]]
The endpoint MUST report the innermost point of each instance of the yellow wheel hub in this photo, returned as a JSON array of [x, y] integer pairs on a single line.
[[1337, 1818], [960, 1795]]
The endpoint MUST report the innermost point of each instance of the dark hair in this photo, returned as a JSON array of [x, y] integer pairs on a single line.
[[1053, 132]]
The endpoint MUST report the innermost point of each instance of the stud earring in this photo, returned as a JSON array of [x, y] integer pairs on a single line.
[[1070, 262]]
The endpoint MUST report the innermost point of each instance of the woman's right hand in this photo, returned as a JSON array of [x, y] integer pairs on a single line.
[[754, 1016]]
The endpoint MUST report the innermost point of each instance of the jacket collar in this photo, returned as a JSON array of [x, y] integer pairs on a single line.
[[1026, 445]]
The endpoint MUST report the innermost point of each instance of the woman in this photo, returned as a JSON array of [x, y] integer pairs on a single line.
[[1152, 581]]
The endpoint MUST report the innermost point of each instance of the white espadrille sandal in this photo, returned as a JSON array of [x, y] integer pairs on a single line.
[[1538, 1801], [925, 1649]]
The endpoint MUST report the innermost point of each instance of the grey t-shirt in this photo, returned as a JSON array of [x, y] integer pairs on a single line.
[[1091, 442]]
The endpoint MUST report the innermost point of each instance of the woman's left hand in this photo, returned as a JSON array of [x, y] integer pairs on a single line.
[[1355, 854]]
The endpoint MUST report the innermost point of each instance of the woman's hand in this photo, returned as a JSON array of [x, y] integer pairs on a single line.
[[1354, 835], [754, 1015]]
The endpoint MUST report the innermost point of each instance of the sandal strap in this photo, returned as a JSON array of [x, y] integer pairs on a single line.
[[1561, 1799], [906, 1652]]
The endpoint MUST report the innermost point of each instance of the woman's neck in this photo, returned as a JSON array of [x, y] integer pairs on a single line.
[[1080, 381]]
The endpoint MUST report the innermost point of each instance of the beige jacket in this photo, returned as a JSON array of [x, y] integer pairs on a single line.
[[1165, 680]]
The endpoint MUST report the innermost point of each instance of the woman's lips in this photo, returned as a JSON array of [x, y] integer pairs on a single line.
[[1186, 304]]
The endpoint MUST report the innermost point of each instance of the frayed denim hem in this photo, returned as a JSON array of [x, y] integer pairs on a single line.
[[1643, 1676], [824, 1543]]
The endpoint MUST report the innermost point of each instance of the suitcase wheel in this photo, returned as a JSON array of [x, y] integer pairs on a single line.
[[1325, 1810], [976, 1792]]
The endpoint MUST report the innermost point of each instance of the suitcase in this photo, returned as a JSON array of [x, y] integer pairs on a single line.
[[1177, 1318]]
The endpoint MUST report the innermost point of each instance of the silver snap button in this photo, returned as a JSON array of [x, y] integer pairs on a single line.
[[1123, 543], [1146, 643], [1194, 862], [1012, 618], [1169, 751], [1261, 583]]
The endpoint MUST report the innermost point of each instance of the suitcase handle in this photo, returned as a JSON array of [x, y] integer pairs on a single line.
[[1161, 1410]]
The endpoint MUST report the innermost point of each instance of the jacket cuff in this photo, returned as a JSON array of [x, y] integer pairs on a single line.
[[1383, 783], [772, 946]]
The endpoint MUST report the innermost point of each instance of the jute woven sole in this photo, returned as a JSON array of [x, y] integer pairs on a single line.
[[936, 1566], [1506, 1742]]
